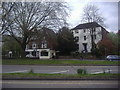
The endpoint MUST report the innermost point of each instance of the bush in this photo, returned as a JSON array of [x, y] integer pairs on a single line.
[[96, 52], [81, 71], [31, 71]]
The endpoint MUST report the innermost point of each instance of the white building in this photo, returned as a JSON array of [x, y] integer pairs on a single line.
[[83, 32], [42, 46]]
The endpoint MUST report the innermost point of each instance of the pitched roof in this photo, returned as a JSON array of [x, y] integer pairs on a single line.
[[87, 25]]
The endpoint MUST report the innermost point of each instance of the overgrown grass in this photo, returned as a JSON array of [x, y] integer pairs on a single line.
[[56, 62]]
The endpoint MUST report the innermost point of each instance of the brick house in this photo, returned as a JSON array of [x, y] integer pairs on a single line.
[[42, 45]]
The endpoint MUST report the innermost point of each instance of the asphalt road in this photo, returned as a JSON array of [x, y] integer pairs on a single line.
[[57, 69], [59, 84]]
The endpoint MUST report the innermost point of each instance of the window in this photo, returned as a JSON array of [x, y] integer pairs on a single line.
[[84, 30], [44, 45], [34, 45], [84, 47], [27, 46], [94, 36], [44, 53], [94, 30], [84, 37], [76, 38], [76, 31], [77, 46]]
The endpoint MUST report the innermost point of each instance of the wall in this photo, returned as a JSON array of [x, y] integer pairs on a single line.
[[81, 35]]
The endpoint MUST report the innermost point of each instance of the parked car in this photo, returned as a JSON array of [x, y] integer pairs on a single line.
[[113, 57]]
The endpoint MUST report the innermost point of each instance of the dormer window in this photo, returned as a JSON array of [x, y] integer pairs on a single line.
[[34, 45], [44, 45]]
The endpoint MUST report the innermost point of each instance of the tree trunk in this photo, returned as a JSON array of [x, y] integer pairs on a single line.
[[23, 53]]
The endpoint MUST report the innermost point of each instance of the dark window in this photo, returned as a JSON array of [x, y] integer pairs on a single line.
[[94, 30], [84, 47], [84, 37], [77, 45], [84, 30], [76, 38], [34, 45], [94, 36], [44, 53], [76, 31]]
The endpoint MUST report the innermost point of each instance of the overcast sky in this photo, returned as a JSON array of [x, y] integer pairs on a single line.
[[109, 10]]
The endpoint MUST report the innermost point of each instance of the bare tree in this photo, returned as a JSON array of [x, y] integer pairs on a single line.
[[91, 14], [26, 17], [4, 14]]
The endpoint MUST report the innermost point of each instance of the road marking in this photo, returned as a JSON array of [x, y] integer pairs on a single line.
[[60, 72], [102, 72], [17, 71]]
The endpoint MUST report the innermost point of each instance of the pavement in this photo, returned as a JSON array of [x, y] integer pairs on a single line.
[[58, 69], [59, 84]]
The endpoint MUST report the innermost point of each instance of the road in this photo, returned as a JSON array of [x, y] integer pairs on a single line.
[[57, 69], [59, 84]]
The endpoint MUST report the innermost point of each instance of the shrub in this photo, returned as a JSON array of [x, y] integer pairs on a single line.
[[31, 71], [81, 71]]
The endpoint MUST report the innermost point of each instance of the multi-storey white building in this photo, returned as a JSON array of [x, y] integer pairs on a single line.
[[83, 33]]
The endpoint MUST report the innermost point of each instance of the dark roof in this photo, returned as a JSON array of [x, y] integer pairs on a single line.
[[87, 25]]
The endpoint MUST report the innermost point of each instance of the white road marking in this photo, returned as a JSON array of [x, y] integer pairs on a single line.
[[17, 71], [101, 72], [60, 72]]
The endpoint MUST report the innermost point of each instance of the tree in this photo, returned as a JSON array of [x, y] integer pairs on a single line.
[[106, 47], [66, 41], [22, 18], [91, 14], [9, 44], [114, 37], [5, 13]]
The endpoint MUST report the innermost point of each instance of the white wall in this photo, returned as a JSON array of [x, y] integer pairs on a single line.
[[81, 35]]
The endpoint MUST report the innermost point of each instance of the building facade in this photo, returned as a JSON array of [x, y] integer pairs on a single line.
[[42, 45], [87, 33]]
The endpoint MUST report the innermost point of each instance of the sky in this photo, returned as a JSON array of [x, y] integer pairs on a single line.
[[109, 10]]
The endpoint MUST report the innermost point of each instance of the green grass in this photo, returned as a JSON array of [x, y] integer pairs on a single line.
[[56, 62], [61, 76]]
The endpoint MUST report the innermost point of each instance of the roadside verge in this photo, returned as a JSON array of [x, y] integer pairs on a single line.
[[26, 76]]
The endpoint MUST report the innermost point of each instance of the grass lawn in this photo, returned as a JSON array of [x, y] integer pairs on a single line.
[[59, 76], [56, 62]]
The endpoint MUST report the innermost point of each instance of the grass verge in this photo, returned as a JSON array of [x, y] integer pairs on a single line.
[[56, 62], [58, 76]]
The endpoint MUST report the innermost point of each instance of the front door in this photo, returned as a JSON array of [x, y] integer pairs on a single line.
[[85, 47]]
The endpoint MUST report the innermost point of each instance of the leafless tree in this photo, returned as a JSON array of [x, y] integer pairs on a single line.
[[4, 16], [91, 14], [21, 19]]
